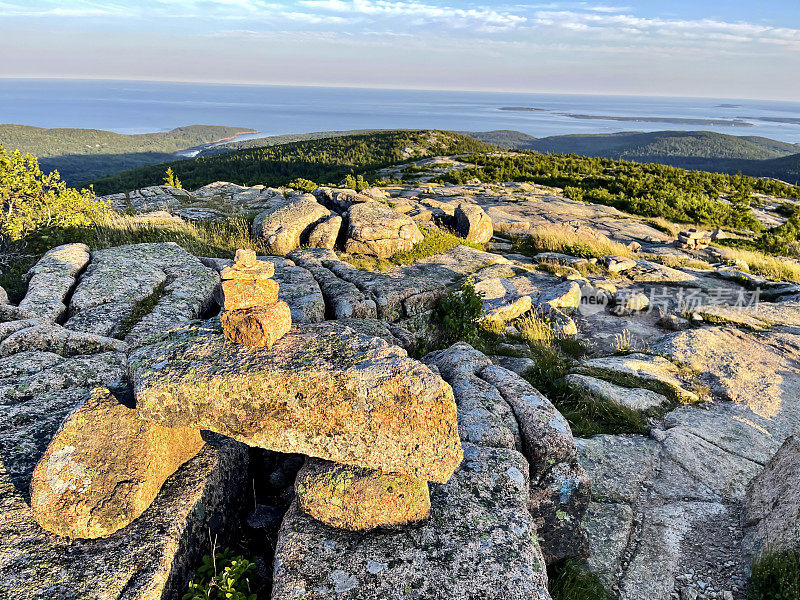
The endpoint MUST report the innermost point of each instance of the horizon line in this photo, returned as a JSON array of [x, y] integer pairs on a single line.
[[377, 87]]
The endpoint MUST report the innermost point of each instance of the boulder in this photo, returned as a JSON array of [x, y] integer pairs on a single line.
[[104, 468], [326, 233], [283, 229], [618, 264], [321, 390], [375, 229], [360, 499], [479, 542], [51, 280], [473, 224], [3, 296], [258, 327], [772, 503]]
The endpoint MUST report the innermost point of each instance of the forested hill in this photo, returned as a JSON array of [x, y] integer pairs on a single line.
[[323, 161], [81, 154], [701, 150]]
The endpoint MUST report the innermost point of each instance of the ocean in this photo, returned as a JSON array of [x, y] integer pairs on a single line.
[[140, 107]]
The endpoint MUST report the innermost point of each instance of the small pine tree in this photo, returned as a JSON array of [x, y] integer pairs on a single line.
[[171, 180]]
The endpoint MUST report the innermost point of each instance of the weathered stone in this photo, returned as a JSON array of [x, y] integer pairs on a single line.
[[392, 333], [153, 557], [122, 279], [326, 233], [104, 467], [628, 302], [29, 374], [8, 328], [51, 280], [3, 296], [359, 499], [377, 230], [284, 229], [344, 298], [633, 398], [618, 264], [241, 294], [259, 327], [321, 390], [340, 199], [772, 504], [643, 370], [736, 365], [49, 337], [618, 465], [473, 224], [607, 527], [478, 543]]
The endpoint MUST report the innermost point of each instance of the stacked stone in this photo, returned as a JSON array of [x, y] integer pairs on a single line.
[[252, 313], [693, 239]]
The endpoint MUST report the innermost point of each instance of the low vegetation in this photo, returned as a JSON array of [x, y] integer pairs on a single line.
[[459, 314], [83, 154], [765, 265], [330, 160], [572, 581], [564, 240], [775, 576], [223, 577], [648, 190], [31, 200]]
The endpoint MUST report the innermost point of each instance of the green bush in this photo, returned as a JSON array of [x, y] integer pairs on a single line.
[[225, 576], [460, 312], [304, 185], [31, 199], [775, 576]]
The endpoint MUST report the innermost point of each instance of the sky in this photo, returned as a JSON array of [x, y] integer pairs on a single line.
[[712, 48]]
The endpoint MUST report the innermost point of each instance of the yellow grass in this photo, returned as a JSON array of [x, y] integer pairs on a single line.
[[565, 240]]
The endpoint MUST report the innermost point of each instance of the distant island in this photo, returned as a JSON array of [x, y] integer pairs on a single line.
[[523, 109], [788, 120], [729, 106], [671, 120]]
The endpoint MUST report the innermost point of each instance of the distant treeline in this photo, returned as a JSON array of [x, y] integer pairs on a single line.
[[82, 154], [650, 190], [326, 160]]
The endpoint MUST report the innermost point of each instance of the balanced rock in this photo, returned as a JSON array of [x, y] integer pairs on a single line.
[[360, 499], [321, 390], [259, 327], [376, 229], [473, 224], [253, 315], [104, 467]]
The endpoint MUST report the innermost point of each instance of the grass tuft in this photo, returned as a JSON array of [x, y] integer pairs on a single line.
[[775, 576], [552, 238], [573, 581]]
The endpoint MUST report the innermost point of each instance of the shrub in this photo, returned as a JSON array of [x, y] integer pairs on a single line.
[[460, 312], [31, 200], [775, 576], [304, 185], [223, 577], [171, 180]]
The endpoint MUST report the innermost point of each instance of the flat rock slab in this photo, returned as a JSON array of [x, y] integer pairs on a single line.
[[120, 279], [479, 542], [655, 373], [321, 390], [633, 398]]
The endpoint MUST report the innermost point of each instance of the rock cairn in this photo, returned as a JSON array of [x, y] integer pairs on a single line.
[[252, 313], [693, 239]]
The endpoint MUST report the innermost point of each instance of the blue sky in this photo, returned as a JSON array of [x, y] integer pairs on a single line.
[[717, 48]]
